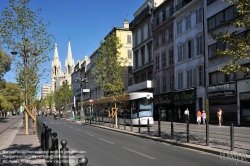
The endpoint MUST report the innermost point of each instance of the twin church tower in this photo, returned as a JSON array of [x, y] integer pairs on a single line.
[[57, 75]]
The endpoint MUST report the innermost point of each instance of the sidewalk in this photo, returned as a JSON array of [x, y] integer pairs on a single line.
[[17, 148], [197, 140]]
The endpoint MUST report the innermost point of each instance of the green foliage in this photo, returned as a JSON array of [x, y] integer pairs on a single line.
[[48, 101], [108, 67], [5, 62], [63, 95], [13, 94], [238, 45], [25, 33]]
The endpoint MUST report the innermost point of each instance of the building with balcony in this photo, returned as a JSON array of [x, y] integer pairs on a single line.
[[229, 92], [189, 90], [163, 60], [141, 27]]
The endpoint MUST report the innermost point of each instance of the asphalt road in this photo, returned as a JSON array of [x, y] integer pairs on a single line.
[[107, 148]]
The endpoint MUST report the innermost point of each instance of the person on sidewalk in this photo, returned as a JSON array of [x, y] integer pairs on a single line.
[[186, 113], [220, 117], [199, 117], [204, 116]]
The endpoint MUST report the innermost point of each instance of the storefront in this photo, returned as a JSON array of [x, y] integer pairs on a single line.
[[182, 100], [223, 97], [163, 106]]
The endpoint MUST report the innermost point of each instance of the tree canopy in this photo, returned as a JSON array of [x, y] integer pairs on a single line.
[[63, 95], [23, 32], [108, 67], [237, 43]]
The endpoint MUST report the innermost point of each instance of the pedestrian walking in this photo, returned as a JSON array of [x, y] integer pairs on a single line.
[[220, 117], [199, 117], [186, 113], [204, 116]]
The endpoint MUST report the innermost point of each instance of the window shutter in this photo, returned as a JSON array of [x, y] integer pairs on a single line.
[[192, 48], [194, 77], [184, 51]]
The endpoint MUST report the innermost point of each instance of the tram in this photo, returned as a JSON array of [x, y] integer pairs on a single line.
[[132, 107]]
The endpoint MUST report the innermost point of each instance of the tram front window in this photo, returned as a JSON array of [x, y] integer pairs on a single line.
[[142, 108]]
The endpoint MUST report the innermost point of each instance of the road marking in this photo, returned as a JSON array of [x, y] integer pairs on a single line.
[[106, 141], [78, 130], [88, 134], [139, 153], [70, 127], [59, 122]]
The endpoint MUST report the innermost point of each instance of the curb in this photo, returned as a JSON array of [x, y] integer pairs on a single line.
[[225, 155]]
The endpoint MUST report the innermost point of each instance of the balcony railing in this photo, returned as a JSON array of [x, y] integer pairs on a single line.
[[182, 4]]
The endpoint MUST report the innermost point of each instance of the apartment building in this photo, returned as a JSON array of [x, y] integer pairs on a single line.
[[46, 89], [231, 92], [163, 66], [125, 36], [189, 59], [141, 28]]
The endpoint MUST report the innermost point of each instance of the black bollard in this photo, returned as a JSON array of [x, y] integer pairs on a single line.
[[131, 125], [159, 126], [232, 136], [55, 150], [83, 161], [172, 130], [42, 137], [45, 137], [124, 123], [49, 145], [188, 131], [148, 127], [139, 125], [118, 122], [64, 154], [207, 134]]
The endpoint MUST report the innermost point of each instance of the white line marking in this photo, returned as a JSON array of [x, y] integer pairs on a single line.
[[59, 122], [139, 153], [106, 141], [78, 130], [70, 127], [88, 134]]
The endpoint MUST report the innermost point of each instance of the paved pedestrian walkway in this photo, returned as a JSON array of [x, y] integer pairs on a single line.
[[17, 148]]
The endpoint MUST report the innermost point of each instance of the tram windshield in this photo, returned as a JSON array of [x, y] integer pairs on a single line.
[[141, 108]]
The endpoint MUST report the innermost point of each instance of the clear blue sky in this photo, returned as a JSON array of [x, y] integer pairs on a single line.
[[84, 22]]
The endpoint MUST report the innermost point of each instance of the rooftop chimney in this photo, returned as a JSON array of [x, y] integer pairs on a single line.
[[126, 24]]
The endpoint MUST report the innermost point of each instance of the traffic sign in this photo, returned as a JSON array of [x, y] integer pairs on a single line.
[[91, 100]]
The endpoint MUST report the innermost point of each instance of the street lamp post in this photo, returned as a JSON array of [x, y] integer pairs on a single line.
[[24, 54], [81, 80]]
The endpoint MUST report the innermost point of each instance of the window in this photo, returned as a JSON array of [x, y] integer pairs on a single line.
[[150, 75], [129, 54], [194, 77], [158, 86], [157, 62], [136, 60], [171, 56], [180, 51], [137, 78], [164, 84], [171, 82], [164, 59], [130, 69], [188, 22], [136, 34], [179, 28], [149, 29], [142, 34], [213, 48], [199, 45], [199, 15], [142, 57], [200, 83], [149, 52], [163, 12], [170, 33], [157, 19], [130, 81], [180, 80], [163, 37], [189, 78], [156, 40], [129, 39], [143, 77], [225, 15], [216, 78]]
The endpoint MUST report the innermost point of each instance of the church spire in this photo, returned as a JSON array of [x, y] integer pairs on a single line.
[[69, 63]]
